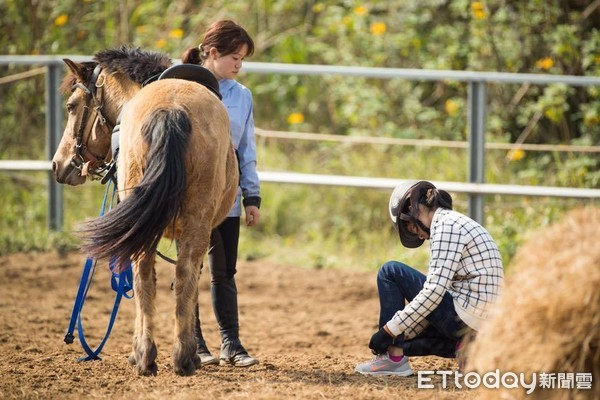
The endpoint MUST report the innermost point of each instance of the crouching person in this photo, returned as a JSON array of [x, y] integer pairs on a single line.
[[430, 314]]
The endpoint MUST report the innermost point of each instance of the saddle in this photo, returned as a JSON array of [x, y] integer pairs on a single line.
[[188, 72], [194, 73]]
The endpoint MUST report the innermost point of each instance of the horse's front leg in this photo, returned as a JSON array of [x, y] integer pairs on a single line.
[[191, 252], [143, 356]]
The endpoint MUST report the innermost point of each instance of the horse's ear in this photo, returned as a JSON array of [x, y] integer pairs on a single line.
[[76, 68]]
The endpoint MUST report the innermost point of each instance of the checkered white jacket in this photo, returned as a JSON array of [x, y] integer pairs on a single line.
[[465, 261]]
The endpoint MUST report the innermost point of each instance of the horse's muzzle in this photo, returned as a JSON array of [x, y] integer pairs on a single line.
[[67, 174]]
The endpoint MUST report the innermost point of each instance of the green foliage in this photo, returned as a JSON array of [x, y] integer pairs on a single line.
[[23, 215], [353, 230], [533, 36], [324, 226], [22, 134]]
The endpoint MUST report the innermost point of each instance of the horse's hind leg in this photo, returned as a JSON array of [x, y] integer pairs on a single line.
[[143, 357], [191, 252]]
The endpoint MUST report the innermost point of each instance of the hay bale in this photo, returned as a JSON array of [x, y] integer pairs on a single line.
[[548, 319]]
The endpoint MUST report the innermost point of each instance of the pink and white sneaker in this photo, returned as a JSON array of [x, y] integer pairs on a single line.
[[382, 365]]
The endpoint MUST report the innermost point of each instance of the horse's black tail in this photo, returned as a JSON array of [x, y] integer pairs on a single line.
[[136, 224]]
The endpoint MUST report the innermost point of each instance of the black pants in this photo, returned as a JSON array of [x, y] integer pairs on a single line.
[[222, 258]]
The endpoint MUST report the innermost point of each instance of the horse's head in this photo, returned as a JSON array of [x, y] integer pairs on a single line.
[[85, 145], [99, 89]]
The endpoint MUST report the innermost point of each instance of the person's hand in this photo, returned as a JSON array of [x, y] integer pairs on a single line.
[[252, 215], [380, 341]]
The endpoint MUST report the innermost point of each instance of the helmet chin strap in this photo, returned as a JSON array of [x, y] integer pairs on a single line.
[[423, 227], [408, 218]]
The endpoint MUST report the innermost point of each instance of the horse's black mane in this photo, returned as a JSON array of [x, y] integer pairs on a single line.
[[139, 65]]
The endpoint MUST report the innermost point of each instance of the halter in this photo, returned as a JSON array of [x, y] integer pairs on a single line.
[[83, 160]]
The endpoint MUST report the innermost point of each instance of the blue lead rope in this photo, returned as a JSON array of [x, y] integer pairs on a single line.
[[121, 283]]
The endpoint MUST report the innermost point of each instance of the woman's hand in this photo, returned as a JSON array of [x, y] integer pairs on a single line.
[[381, 340], [252, 215]]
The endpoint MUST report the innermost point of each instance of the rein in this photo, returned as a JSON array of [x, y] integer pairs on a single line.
[[87, 163], [121, 283]]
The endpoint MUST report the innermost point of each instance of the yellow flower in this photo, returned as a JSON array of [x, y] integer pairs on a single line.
[[176, 33], [451, 107], [140, 29], [295, 118], [544, 63], [360, 10], [480, 15], [515, 155], [378, 28], [61, 20], [553, 114], [478, 10], [160, 43], [476, 6]]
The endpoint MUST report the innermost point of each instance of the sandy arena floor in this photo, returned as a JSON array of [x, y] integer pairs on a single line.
[[308, 327]]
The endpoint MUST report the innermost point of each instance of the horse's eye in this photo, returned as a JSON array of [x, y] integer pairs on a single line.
[[70, 107]]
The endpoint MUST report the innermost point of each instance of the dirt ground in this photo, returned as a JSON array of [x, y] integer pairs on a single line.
[[308, 327]]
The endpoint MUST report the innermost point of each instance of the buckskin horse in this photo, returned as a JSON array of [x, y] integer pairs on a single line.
[[177, 177]]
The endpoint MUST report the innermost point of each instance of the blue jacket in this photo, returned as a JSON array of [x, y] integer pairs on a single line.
[[238, 100]]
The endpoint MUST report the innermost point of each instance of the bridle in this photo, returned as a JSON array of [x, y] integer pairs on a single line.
[[83, 160]]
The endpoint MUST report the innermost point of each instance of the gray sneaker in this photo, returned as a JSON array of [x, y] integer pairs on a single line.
[[382, 365]]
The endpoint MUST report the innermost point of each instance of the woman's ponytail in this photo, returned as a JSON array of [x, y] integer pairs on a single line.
[[432, 197], [192, 56]]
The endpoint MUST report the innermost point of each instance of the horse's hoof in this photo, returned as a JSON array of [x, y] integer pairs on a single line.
[[197, 361], [187, 369], [151, 370], [185, 357], [131, 359]]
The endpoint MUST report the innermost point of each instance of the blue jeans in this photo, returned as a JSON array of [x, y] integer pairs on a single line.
[[397, 284]]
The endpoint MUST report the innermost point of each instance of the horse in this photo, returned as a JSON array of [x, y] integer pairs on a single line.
[[177, 177]]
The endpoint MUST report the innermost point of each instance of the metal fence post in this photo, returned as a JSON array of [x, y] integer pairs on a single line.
[[53, 136], [477, 100]]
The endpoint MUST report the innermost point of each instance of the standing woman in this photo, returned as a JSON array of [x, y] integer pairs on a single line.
[[225, 45], [430, 314]]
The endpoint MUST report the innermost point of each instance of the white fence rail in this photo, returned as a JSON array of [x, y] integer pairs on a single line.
[[476, 119], [372, 183]]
